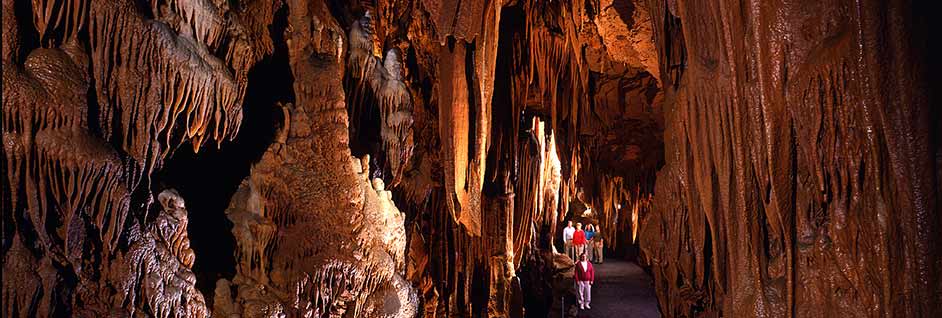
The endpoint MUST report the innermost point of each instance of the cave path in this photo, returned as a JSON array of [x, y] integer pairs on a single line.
[[622, 289]]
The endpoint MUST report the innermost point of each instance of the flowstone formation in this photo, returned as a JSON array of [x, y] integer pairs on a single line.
[[423, 156], [96, 95], [316, 237], [802, 152], [164, 258]]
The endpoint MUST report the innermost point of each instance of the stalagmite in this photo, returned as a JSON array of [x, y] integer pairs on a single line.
[[422, 158], [355, 262], [84, 118]]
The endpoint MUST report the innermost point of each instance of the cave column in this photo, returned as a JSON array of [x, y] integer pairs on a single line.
[[498, 227]]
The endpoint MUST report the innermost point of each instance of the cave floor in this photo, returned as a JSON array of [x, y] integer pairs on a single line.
[[622, 289]]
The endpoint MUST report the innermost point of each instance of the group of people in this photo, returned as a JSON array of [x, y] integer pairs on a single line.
[[578, 242], [586, 247]]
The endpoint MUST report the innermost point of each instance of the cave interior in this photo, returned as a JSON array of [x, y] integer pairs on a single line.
[[420, 158]]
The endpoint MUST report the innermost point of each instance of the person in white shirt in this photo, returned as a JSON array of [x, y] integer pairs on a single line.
[[567, 240]]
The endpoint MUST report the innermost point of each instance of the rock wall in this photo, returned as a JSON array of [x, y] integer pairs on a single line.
[[802, 161]]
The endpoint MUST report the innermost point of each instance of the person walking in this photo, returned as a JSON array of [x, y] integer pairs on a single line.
[[590, 244], [567, 240], [585, 276], [599, 244], [578, 240]]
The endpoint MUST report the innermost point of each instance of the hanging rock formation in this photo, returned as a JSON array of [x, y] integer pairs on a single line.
[[769, 158], [802, 174], [96, 94]]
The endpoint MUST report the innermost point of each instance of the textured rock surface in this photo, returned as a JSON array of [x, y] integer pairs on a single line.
[[800, 178], [424, 155], [96, 94], [316, 237]]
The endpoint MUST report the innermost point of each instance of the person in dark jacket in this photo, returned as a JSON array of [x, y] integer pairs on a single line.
[[585, 276], [598, 243]]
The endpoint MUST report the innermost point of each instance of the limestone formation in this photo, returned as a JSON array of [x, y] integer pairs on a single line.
[[419, 158], [800, 159]]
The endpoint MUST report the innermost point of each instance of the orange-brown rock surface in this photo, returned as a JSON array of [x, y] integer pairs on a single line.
[[802, 161], [411, 158]]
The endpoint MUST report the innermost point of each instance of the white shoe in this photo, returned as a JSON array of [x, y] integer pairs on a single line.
[[581, 307], [588, 307]]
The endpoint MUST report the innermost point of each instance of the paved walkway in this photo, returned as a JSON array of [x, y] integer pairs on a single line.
[[622, 289]]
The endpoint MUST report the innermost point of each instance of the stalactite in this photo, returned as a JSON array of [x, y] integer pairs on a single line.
[[772, 160], [65, 16], [454, 119], [86, 179], [80, 166], [193, 88], [773, 202], [201, 19], [383, 77], [528, 190]]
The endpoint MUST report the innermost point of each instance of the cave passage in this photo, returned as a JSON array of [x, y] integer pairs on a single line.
[[624, 286], [421, 158], [622, 289]]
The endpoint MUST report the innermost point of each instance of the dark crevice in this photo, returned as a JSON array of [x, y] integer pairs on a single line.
[[474, 107], [94, 112], [28, 35], [365, 122], [479, 291], [625, 10], [207, 180]]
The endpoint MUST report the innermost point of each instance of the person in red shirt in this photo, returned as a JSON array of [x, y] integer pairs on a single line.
[[578, 240], [585, 276]]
